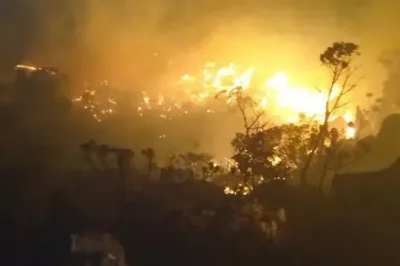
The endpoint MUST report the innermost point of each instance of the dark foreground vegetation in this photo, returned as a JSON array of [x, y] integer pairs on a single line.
[[182, 212], [193, 222]]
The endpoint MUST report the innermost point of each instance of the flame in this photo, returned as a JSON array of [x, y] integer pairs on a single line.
[[275, 160], [31, 68], [348, 117], [89, 102], [296, 99], [229, 191], [240, 190], [277, 95], [350, 132]]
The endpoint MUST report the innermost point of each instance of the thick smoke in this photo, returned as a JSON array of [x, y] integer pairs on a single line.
[[95, 39], [390, 60], [115, 39]]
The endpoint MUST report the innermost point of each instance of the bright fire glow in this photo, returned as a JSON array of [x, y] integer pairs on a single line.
[[229, 191], [276, 95], [350, 132], [296, 99], [348, 117], [89, 103], [282, 100], [31, 68]]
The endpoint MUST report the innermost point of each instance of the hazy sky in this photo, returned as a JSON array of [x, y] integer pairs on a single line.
[[93, 38]]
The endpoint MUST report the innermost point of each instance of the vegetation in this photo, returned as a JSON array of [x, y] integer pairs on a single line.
[[192, 209], [338, 59]]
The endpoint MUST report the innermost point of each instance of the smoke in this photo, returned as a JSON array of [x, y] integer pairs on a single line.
[[116, 39], [384, 147]]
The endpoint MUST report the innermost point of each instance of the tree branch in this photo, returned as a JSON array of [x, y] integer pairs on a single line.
[[257, 117]]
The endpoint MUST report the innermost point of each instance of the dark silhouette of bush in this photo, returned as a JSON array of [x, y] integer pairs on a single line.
[[376, 189]]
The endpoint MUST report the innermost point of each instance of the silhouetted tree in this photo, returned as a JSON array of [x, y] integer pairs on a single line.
[[149, 154], [210, 170], [173, 171], [124, 159], [249, 110], [271, 153], [89, 148], [342, 153], [330, 151], [195, 162], [103, 151], [338, 59]]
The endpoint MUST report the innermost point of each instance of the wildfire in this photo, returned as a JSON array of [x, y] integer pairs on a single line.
[[90, 103], [296, 100], [275, 160], [239, 190], [350, 132], [30, 68], [286, 101], [229, 191]]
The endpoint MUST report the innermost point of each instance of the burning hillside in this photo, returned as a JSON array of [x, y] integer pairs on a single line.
[[282, 101], [282, 124]]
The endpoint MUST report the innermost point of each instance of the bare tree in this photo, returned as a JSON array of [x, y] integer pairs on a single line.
[[252, 123], [338, 59], [251, 115]]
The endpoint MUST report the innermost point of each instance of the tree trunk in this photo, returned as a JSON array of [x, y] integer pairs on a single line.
[[303, 173], [323, 175], [318, 142], [124, 166], [331, 152], [91, 162], [121, 188]]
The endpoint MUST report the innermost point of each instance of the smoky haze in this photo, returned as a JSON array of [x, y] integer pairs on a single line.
[[93, 40], [116, 39]]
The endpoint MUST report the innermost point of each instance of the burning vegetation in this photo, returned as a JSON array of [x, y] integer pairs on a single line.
[[284, 102], [317, 119], [290, 142]]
